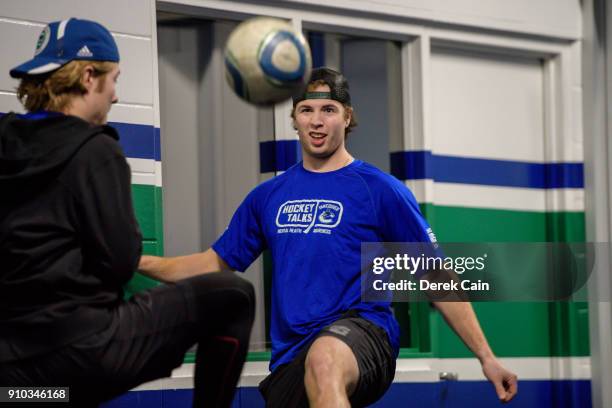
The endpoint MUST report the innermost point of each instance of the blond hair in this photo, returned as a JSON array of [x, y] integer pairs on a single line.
[[54, 91], [347, 109]]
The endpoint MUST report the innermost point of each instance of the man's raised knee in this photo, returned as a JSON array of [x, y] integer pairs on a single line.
[[241, 291], [320, 365]]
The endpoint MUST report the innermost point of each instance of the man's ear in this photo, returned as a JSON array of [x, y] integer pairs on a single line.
[[88, 78], [348, 115]]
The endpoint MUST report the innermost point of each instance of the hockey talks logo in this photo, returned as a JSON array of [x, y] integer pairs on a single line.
[[303, 216]]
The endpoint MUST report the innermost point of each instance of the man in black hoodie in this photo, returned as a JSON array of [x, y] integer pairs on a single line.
[[69, 242]]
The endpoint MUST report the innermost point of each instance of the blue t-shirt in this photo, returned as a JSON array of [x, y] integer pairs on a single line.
[[314, 224]]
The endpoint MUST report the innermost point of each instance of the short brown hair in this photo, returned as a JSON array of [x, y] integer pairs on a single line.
[[55, 90], [347, 109]]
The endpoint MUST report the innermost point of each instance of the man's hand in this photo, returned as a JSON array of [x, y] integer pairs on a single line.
[[157, 268], [504, 381], [177, 268], [460, 316]]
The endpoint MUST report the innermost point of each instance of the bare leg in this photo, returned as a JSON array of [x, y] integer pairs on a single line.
[[331, 373]]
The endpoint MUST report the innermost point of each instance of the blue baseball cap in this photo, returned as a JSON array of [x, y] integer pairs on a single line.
[[63, 41]]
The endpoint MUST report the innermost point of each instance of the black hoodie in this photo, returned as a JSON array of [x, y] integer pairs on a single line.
[[69, 240]]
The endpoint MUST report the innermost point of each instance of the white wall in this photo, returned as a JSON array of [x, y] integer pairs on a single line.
[[487, 105], [131, 23], [558, 18]]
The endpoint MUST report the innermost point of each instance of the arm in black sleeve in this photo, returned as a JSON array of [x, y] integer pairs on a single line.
[[112, 242]]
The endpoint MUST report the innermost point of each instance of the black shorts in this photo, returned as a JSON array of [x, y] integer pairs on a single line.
[[285, 388], [147, 338]]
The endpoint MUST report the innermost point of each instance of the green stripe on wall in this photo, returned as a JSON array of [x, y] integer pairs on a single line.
[[148, 207], [513, 329], [459, 224]]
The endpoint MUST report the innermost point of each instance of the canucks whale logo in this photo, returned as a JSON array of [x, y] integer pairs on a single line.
[[327, 217], [309, 214]]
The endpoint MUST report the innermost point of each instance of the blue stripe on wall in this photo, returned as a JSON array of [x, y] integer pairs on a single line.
[[415, 165], [137, 141], [459, 394], [278, 155], [554, 394], [317, 49], [456, 394], [157, 142]]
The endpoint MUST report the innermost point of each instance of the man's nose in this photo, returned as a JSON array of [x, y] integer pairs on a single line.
[[316, 119]]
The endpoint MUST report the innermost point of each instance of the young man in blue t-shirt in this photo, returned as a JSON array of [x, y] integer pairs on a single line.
[[329, 348]]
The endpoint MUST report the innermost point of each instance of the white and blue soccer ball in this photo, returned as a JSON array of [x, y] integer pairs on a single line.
[[267, 61]]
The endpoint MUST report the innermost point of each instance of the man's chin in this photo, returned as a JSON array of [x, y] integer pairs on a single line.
[[321, 155]]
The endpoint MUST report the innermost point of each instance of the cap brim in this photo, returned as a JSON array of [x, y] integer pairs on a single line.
[[36, 66]]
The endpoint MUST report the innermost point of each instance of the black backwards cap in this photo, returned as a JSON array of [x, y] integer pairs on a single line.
[[338, 85]]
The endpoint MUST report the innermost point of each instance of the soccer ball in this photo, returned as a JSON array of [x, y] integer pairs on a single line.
[[267, 61]]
